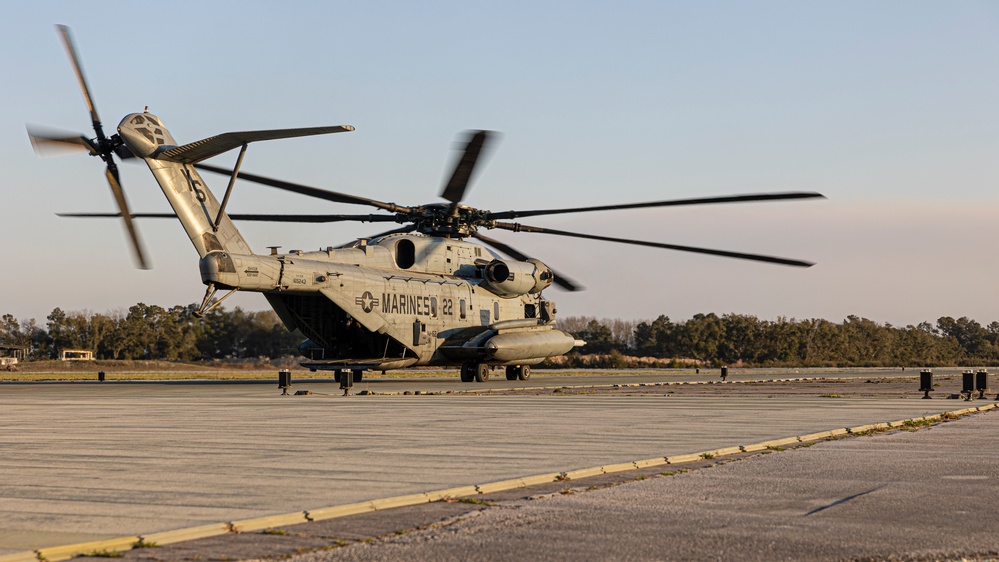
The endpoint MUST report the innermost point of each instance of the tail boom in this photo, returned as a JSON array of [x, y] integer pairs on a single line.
[[194, 204]]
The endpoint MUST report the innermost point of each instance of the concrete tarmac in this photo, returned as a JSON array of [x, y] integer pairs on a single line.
[[81, 462], [925, 495]]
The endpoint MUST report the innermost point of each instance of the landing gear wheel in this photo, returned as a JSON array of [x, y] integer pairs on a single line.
[[518, 372], [336, 375], [467, 372], [358, 375], [481, 372]]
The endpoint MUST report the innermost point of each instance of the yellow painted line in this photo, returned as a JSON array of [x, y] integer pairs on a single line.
[[724, 452], [338, 511], [58, 553], [621, 467], [679, 459], [780, 442], [816, 436], [452, 493], [188, 534], [271, 521], [504, 485], [587, 472], [648, 463], [541, 479], [400, 501], [754, 448]]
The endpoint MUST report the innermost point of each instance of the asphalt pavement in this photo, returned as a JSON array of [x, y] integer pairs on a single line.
[[83, 462], [900, 495]]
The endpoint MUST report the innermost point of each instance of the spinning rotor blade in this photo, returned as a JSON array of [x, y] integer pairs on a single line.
[[669, 203], [111, 172], [454, 191], [722, 253], [560, 280], [102, 146], [51, 142], [67, 43], [306, 190]]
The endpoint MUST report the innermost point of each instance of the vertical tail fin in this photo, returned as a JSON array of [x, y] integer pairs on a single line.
[[188, 194]]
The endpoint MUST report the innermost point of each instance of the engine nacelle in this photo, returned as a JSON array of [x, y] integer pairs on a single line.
[[510, 279]]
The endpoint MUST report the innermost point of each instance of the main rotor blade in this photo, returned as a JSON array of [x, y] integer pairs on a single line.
[[669, 203], [312, 218], [306, 190], [67, 43], [454, 191], [560, 280], [111, 172], [249, 217], [117, 215], [723, 253], [53, 142]]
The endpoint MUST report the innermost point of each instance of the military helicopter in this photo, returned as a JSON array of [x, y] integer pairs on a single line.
[[434, 291]]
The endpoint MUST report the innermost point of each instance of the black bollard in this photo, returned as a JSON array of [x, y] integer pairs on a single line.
[[982, 383], [968, 384], [346, 381], [926, 383], [724, 373], [100, 376], [284, 381]]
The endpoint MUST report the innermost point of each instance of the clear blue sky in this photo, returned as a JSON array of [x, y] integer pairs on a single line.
[[887, 108]]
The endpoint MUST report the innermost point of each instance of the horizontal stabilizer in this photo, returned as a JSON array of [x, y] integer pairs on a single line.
[[213, 146]]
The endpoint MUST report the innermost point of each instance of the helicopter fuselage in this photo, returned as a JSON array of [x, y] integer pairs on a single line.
[[402, 300]]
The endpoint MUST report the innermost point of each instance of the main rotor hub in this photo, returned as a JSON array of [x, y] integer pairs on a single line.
[[448, 220]]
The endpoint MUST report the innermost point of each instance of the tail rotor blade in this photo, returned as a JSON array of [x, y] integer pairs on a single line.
[[51, 142], [67, 43], [111, 172]]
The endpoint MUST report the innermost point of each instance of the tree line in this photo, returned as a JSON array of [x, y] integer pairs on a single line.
[[150, 332], [735, 339]]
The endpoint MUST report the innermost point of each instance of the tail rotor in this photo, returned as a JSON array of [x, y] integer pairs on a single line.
[[48, 142]]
